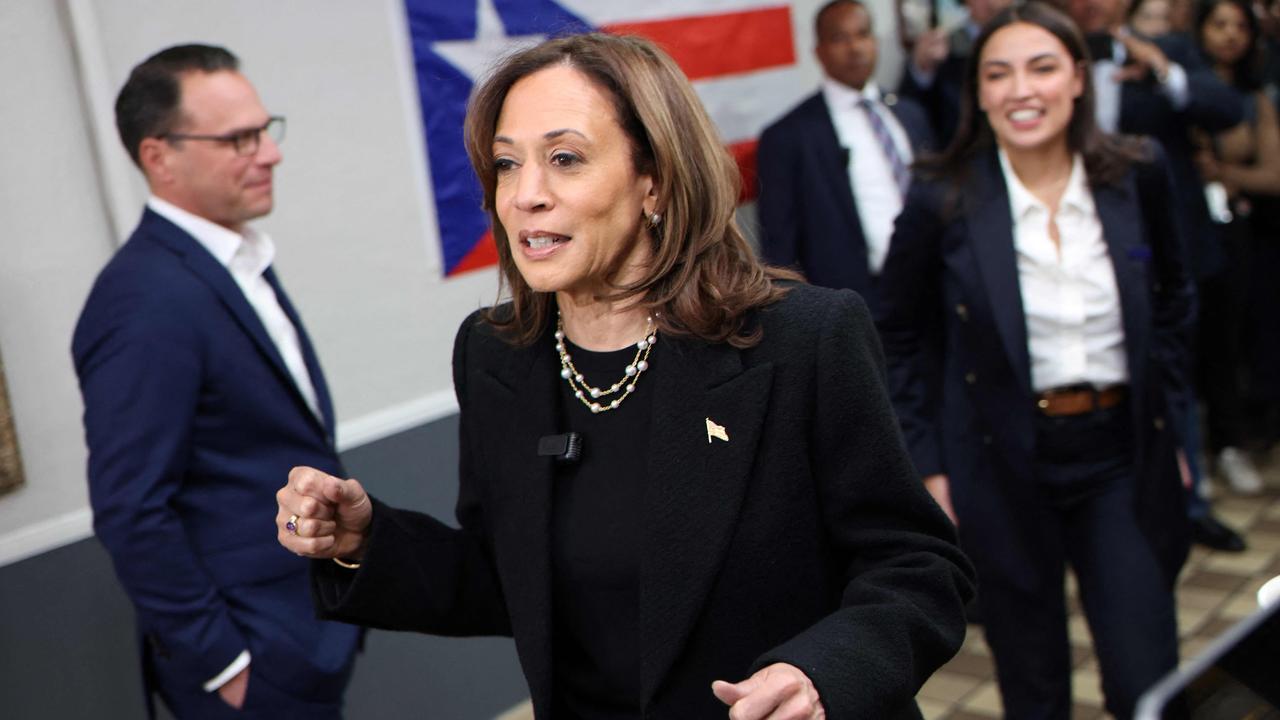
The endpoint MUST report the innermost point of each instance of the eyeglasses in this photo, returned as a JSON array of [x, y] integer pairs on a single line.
[[245, 142]]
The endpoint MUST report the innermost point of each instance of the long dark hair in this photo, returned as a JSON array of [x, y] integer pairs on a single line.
[[704, 277], [1247, 71], [1106, 158]]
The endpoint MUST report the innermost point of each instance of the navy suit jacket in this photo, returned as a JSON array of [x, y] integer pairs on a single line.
[[807, 213], [193, 423], [967, 411]]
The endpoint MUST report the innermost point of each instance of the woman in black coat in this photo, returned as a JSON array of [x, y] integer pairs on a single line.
[[1034, 308], [737, 508]]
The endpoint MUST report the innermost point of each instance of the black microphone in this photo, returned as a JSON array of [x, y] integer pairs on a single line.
[[565, 448], [844, 155]]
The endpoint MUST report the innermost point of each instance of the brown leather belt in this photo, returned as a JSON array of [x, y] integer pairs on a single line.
[[1078, 400]]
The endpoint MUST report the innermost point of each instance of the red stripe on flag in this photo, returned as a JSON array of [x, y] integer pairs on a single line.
[[744, 153], [722, 44], [482, 255]]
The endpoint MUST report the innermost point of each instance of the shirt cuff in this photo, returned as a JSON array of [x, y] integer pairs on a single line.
[[1175, 86], [241, 662]]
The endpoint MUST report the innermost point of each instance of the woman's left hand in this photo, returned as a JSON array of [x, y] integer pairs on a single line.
[[777, 692]]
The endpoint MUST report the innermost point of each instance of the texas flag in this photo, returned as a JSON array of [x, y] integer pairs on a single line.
[[740, 55]]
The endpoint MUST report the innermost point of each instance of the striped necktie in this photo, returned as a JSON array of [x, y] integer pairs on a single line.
[[901, 175]]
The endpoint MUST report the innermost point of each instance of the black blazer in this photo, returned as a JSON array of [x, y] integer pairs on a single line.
[[951, 281], [807, 214], [806, 538]]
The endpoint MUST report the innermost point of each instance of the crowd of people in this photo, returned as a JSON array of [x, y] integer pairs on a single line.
[[987, 319]]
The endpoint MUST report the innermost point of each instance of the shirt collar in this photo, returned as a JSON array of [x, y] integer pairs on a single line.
[[255, 248], [842, 97], [1021, 201]]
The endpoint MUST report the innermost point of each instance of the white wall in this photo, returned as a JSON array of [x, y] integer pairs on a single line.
[[53, 241], [354, 226]]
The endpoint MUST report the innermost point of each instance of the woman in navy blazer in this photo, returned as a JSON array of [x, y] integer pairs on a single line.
[[1038, 478], [740, 529]]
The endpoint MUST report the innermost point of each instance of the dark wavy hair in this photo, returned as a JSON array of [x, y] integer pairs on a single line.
[[704, 277], [1246, 72], [1106, 157]]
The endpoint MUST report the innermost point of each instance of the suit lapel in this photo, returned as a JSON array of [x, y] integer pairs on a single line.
[[520, 403], [207, 268], [219, 279], [990, 228], [1122, 229], [695, 489], [832, 158], [323, 399]]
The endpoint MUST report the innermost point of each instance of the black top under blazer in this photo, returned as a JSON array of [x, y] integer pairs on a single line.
[[806, 538], [951, 282]]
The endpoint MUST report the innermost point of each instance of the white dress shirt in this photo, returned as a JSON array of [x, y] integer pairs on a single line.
[[247, 257], [1075, 332], [875, 192]]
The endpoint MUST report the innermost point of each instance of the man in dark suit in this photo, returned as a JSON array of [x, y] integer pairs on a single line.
[[934, 73], [201, 391], [846, 135], [1163, 89]]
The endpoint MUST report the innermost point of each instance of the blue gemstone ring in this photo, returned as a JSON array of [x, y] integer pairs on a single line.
[[292, 525]]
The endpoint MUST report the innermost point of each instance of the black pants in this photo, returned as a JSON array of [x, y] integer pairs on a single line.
[[1084, 517]]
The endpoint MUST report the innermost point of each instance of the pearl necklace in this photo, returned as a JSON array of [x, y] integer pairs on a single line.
[[589, 394]]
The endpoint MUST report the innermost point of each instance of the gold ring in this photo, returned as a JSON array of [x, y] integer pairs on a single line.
[[292, 525]]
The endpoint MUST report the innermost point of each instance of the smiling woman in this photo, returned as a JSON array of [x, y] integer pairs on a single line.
[[1034, 312], [10, 460]]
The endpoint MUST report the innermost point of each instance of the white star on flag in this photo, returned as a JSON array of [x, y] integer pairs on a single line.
[[475, 57]]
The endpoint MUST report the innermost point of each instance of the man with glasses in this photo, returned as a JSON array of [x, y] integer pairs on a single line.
[[201, 391]]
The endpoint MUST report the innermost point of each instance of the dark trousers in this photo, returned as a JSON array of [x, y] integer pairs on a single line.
[[1084, 517]]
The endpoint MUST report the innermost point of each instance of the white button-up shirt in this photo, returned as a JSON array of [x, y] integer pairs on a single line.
[[1075, 332]]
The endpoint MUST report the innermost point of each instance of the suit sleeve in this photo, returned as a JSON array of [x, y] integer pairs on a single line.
[[901, 611], [419, 574], [928, 97], [777, 205], [1174, 301], [1212, 104], [910, 327], [140, 375]]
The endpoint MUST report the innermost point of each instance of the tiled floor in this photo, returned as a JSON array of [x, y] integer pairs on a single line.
[[1215, 590]]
